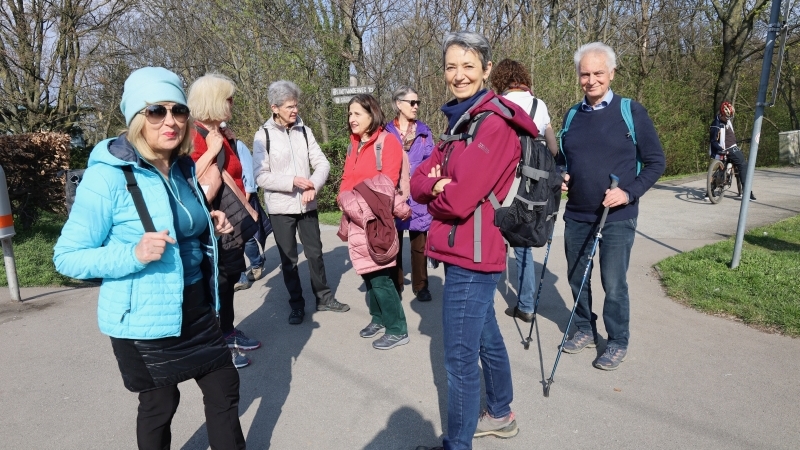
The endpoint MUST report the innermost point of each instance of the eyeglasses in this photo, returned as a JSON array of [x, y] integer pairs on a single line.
[[156, 114], [413, 103], [294, 107]]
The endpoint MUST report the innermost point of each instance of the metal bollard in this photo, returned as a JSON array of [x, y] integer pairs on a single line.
[[6, 233]]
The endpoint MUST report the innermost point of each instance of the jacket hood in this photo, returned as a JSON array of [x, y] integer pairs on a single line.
[[115, 151], [275, 125], [422, 128], [502, 107]]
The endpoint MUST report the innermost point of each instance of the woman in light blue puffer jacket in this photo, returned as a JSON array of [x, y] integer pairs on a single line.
[[158, 297]]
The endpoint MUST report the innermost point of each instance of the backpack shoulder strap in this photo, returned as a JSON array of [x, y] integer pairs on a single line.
[[563, 131], [305, 135], [379, 150], [138, 199], [627, 116], [266, 138], [532, 112]]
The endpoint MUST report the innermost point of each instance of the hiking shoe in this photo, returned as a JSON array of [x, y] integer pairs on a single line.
[[333, 305], [523, 316], [580, 340], [296, 317], [237, 339], [424, 295], [239, 360], [256, 273], [752, 197], [611, 358], [243, 283], [370, 330], [504, 427], [388, 341]]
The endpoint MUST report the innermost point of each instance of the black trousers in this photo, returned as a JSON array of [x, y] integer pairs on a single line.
[[737, 158], [285, 228], [419, 263], [221, 399], [226, 281]]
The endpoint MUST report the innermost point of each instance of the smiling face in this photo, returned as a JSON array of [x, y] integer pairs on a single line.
[[594, 77], [463, 72], [406, 109], [165, 136], [286, 114], [359, 119]]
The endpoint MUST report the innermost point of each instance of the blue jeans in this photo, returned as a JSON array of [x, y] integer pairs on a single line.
[[527, 278], [253, 253], [471, 332], [615, 255]]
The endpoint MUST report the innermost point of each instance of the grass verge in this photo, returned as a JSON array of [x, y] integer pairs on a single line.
[[330, 218], [762, 292], [33, 254]]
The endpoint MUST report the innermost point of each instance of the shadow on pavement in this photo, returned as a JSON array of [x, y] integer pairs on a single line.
[[406, 429]]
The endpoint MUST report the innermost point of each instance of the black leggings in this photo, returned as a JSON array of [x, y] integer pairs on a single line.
[[221, 399]]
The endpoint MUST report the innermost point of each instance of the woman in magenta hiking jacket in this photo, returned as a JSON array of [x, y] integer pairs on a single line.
[[453, 182]]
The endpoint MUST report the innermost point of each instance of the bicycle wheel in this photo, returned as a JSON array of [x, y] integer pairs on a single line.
[[715, 181]]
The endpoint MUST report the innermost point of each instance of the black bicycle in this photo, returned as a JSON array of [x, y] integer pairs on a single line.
[[721, 173]]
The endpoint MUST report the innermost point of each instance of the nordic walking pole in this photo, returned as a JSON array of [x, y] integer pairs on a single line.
[[597, 237], [527, 341]]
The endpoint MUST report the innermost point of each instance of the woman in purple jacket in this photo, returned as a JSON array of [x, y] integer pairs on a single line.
[[418, 142]]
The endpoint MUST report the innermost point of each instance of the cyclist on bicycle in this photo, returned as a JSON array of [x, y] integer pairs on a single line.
[[723, 141]]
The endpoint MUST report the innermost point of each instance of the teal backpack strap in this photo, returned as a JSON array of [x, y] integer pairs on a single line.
[[625, 107], [567, 121]]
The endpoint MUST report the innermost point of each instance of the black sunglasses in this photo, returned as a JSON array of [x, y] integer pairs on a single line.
[[157, 113], [413, 103]]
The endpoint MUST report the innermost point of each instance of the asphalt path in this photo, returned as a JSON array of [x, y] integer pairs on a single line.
[[691, 380]]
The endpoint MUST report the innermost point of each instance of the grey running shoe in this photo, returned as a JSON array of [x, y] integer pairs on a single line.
[[296, 317], [580, 340], [504, 427], [611, 358], [239, 340], [244, 282], [333, 305], [370, 330], [388, 341], [239, 360]]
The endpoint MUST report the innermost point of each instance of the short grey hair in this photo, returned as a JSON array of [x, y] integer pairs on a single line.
[[469, 41], [595, 48], [399, 93], [282, 91]]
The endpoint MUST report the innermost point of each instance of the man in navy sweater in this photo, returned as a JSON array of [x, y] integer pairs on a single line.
[[598, 143]]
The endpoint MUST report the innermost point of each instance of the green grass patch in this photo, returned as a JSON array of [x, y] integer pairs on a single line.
[[33, 254], [762, 292], [330, 217]]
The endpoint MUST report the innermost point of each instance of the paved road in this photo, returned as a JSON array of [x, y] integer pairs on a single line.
[[690, 381]]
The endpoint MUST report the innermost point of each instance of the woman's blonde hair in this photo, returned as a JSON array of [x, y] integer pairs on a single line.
[[208, 97], [136, 137]]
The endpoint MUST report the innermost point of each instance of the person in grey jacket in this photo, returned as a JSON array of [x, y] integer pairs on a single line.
[[284, 154]]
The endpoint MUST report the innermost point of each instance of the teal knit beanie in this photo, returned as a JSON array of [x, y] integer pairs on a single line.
[[150, 85]]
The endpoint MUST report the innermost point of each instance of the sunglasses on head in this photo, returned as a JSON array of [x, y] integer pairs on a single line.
[[413, 103], [157, 113]]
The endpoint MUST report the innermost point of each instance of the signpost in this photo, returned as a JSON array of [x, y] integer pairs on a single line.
[[344, 94]]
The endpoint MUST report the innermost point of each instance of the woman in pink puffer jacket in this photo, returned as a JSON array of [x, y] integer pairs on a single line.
[[366, 197]]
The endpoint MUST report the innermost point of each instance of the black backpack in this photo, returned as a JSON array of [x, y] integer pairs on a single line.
[[527, 216]]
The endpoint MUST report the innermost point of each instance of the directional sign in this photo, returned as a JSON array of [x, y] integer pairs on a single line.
[[342, 99], [353, 90]]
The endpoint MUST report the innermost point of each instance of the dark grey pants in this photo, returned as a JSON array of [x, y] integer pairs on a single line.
[[285, 228]]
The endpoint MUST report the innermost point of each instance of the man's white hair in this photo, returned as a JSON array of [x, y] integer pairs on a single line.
[[595, 47]]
